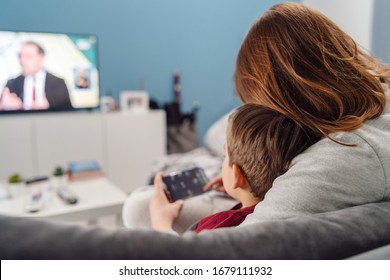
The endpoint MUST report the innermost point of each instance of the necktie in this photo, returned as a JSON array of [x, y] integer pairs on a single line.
[[34, 97]]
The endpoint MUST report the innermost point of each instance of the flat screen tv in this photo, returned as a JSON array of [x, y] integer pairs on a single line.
[[48, 72]]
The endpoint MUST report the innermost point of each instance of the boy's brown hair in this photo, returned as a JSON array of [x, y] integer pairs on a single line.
[[263, 142]]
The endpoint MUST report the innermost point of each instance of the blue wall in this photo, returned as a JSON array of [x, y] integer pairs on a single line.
[[381, 34], [147, 40]]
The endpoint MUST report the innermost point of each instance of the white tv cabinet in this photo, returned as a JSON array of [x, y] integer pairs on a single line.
[[125, 144]]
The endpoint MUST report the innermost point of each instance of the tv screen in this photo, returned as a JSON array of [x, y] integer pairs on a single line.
[[48, 71]]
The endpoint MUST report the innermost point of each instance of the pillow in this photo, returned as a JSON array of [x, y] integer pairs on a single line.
[[216, 136]]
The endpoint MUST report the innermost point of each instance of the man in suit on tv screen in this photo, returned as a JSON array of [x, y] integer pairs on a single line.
[[35, 88]]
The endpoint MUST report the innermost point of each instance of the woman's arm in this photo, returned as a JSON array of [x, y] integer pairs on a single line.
[[326, 177]]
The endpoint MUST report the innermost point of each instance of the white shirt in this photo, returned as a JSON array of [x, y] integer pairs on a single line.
[[38, 80]]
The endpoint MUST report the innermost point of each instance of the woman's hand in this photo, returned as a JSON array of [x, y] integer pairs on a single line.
[[216, 184], [162, 212]]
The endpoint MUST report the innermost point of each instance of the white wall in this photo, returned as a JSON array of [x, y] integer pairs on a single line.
[[354, 16], [125, 145]]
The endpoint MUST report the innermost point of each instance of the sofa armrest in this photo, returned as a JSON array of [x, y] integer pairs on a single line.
[[334, 235]]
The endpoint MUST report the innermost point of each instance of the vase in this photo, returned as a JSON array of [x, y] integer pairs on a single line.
[[59, 181], [16, 189]]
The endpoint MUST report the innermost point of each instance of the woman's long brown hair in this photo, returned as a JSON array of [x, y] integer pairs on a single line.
[[298, 62]]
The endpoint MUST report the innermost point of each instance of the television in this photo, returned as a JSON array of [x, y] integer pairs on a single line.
[[48, 72]]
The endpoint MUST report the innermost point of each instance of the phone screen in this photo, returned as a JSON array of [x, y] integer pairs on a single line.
[[185, 184]]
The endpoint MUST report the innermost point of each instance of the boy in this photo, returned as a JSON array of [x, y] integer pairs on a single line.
[[260, 145]]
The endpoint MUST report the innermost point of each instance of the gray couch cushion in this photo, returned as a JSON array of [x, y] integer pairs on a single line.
[[334, 235], [382, 253]]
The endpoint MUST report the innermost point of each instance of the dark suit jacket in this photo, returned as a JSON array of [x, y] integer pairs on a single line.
[[55, 88]]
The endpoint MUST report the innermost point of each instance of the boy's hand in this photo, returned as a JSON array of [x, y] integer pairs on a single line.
[[216, 184], [162, 212]]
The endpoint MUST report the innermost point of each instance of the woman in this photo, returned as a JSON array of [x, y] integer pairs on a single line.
[[296, 61]]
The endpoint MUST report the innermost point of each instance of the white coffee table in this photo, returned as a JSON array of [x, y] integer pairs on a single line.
[[96, 198]]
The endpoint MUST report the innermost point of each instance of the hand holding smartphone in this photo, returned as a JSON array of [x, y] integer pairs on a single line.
[[185, 184]]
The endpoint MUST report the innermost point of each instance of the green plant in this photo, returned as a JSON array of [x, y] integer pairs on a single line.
[[58, 171], [15, 178]]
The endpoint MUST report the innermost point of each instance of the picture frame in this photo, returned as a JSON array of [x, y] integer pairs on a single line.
[[107, 104], [134, 101]]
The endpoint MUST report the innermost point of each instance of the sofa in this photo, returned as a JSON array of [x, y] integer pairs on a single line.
[[361, 232]]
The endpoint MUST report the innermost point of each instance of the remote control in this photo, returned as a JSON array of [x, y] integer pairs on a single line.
[[65, 194], [35, 202], [36, 179]]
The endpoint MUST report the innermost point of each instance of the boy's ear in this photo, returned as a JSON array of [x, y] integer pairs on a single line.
[[239, 180]]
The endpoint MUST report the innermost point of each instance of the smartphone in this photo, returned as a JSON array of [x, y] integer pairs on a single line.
[[185, 184]]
